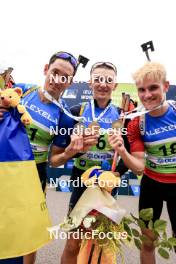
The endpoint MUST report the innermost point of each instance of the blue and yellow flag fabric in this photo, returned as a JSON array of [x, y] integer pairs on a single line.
[[23, 212]]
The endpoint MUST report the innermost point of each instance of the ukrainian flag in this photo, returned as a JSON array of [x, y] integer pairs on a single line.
[[23, 212]]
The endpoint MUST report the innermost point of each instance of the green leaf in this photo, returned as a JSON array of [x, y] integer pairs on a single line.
[[127, 229], [138, 243], [150, 224], [135, 232], [160, 225], [166, 244], [127, 220], [146, 214], [156, 233], [164, 235], [172, 240], [163, 253], [141, 223], [156, 243]]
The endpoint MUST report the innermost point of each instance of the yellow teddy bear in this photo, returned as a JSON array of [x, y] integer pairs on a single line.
[[11, 98], [104, 179]]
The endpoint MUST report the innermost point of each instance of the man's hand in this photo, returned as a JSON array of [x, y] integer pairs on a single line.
[[89, 141], [75, 146], [116, 142], [80, 143]]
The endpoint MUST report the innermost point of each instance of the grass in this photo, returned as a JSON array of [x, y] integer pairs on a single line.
[[128, 88]]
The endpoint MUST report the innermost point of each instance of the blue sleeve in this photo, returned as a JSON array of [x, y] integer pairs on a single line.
[[66, 125], [24, 86]]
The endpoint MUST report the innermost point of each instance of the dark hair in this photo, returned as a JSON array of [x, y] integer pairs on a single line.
[[64, 56]]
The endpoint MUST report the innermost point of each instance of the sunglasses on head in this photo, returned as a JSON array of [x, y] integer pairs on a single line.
[[106, 64], [67, 56]]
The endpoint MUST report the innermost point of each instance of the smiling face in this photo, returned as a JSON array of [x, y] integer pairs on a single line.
[[59, 76], [103, 82], [151, 84], [152, 93]]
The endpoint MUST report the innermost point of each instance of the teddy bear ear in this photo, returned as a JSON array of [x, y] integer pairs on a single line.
[[18, 91]]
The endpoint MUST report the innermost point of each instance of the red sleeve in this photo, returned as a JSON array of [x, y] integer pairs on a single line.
[[134, 136]]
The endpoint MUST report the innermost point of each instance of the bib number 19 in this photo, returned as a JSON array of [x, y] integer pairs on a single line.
[[172, 149]]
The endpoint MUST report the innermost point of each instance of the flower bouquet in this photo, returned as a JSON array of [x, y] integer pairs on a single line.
[[103, 226], [98, 218]]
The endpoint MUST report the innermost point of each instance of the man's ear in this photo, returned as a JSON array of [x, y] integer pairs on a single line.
[[19, 91], [46, 69], [166, 86]]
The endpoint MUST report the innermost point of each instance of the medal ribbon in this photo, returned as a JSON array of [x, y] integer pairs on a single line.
[[130, 115], [60, 105], [102, 113]]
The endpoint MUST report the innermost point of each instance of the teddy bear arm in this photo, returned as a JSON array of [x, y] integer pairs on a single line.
[[21, 109], [26, 119]]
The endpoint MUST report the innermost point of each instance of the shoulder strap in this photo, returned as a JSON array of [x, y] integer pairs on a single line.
[[30, 90]]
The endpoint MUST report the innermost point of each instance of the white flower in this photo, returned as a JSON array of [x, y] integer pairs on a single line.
[[68, 224], [88, 221]]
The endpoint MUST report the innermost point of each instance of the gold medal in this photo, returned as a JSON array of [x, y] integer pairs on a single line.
[[117, 124], [94, 124], [94, 127], [79, 129]]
